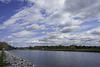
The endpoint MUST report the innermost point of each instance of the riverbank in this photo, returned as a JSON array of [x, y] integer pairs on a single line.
[[16, 61], [74, 50], [60, 58], [63, 48]]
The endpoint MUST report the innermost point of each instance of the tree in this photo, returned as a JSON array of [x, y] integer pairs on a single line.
[[6, 46]]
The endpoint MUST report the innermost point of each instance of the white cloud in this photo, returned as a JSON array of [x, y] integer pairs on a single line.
[[70, 29], [5, 1], [60, 19], [23, 33], [69, 22], [50, 5], [95, 31], [86, 9], [9, 37], [26, 16], [35, 27]]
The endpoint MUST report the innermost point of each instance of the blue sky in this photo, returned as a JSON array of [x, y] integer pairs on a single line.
[[50, 22]]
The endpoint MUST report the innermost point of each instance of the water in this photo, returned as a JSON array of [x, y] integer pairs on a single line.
[[59, 58]]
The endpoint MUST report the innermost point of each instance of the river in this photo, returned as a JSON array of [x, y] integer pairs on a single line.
[[59, 58]]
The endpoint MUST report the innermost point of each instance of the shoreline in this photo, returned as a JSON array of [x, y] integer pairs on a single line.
[[16, 61], [72, 50]]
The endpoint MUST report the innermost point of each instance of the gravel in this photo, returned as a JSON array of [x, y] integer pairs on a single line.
[[16, 61]]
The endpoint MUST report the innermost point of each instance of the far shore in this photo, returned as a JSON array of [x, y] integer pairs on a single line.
[[72, 50]]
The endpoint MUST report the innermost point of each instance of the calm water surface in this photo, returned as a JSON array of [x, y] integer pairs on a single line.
[[59, 58]]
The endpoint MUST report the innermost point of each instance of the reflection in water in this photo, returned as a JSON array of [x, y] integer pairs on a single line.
[[59, 58]]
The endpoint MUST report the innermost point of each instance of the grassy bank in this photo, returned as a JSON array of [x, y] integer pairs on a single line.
[[2, 63]]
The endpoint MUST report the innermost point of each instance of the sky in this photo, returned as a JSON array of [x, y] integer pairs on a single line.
[[50, 22]]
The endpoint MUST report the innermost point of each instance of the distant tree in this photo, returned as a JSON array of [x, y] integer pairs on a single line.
[[30, 47], [73, 46]]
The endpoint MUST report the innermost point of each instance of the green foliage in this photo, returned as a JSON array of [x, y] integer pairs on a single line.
[[6, 46], [2, 63], [73, 46], [63, 48]]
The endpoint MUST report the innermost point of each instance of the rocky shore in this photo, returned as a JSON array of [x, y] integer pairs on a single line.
[[16, 61]]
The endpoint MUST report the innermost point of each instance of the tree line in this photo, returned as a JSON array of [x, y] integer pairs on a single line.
[[6, 46], [60, 47]]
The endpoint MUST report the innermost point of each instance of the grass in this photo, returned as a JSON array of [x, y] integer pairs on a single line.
[[2, 63]]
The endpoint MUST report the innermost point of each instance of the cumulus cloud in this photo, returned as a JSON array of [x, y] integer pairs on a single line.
[[23, 33], [95, 31], [70, 29], [85, 9], [59, 21], [57, 38], [69, 22], [35, 27], [47, 4]]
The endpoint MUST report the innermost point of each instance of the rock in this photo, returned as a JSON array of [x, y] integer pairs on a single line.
[[16, 61]]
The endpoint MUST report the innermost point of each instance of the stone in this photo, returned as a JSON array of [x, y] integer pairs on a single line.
[[16, 61]]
